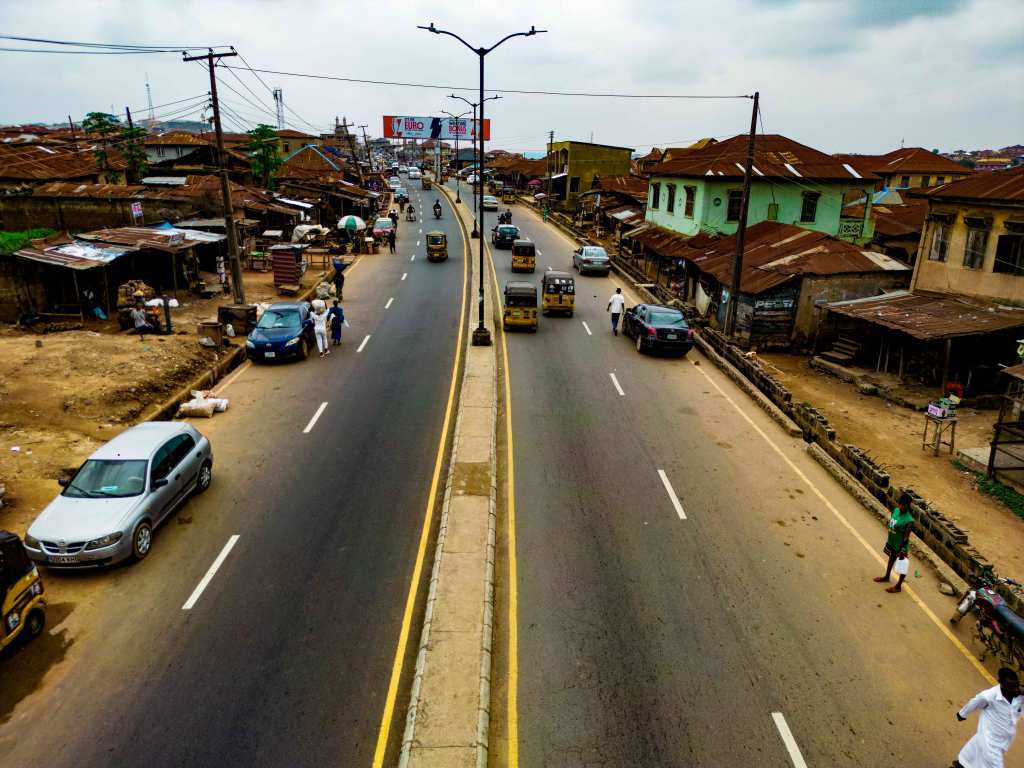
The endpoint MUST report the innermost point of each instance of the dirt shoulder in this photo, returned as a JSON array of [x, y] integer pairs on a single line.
[[892, 436]]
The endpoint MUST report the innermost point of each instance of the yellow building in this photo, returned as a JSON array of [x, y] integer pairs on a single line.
[[972, 243], [575, 164], [908, 168]]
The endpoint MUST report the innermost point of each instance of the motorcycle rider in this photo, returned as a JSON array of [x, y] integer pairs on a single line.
[[410, 213], [437, 208]]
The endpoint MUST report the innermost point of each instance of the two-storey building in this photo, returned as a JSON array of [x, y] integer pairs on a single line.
[[907, 168]]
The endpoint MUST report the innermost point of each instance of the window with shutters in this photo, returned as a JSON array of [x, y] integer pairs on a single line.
[[691, 198], [926, 180], [940, 242], [974, 250], [655, 195], [735, 204], [670, 204], [809, 210], [905, 181], [1010, 255]]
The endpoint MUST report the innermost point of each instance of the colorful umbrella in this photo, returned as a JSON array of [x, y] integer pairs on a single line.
[[351, 223]]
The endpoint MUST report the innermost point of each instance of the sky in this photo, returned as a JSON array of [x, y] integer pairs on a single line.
[[838, 75]]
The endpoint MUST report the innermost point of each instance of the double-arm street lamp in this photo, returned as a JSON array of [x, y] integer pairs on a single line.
[[457, 118], [476, 128], [481, 336]]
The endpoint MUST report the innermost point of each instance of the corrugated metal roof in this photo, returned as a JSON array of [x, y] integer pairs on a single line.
[[905, 220], [929, 317], [33, 162], [62, 251], [167, 239], [903, 160], [775, 157], [995, 187]]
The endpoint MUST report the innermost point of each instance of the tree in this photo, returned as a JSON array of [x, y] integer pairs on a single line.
[[135, 153], [104, 125], [966, 163], [935, 151], [266, 155]]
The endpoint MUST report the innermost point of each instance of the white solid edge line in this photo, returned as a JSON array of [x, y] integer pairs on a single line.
[[194, 597], [618, 387], [405, 275], [363, 343], [672, 494], [788, 740], [388, 305], [586, 327], [312, 421]]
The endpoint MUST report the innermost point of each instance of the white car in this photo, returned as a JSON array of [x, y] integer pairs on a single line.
[[108, 510], [403, 169], [414, 173], [490, 203]]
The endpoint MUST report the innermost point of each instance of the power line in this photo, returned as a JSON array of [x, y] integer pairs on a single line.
[[496, 90], [90, 52], [121, 46], [253, 71]]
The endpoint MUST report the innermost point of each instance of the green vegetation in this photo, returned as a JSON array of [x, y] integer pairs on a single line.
[[105, 126], [12, 241], [1005, 495], [266, 155], [135, 153]]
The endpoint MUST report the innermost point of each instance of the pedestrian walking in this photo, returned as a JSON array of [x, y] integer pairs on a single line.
[[337, 317], [339, 283], [394, 217], [319, 315], [897, 543], [1000, 708], [615, 305], [391, 241]]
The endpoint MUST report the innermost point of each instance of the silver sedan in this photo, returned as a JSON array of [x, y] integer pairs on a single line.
[[108, 510]]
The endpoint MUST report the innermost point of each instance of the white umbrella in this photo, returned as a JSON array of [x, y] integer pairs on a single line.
[[351, 223]]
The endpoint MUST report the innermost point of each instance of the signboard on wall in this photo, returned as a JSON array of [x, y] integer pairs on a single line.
[[136, 210], [442, 128]]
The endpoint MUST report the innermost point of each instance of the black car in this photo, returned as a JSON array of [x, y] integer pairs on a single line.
[[504, 235], [657, 327]]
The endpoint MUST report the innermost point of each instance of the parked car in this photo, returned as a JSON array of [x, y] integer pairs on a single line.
[[108, 510], [285, 330], [591, 258], [490, 203], [504, 235], [382, 226], [656, 327], [414, 173]]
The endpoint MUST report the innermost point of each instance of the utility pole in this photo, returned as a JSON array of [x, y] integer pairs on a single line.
[[741, 232], [128, 115], [238, 289], [71, 124], [547, 190], [279, 107], [352, 148], [366, 147]]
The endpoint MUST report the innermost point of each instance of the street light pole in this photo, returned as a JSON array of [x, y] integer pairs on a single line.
[[481, 336], [458, 199], [475, 124]]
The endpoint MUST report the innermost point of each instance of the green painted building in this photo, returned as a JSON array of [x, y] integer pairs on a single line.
[[700, 190]]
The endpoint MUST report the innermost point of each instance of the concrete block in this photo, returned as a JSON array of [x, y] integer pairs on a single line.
[[471, 478], [450, 694], [477, 392], [442, 757], [459, 605], [474, 449], [467, 525], [477, 421]]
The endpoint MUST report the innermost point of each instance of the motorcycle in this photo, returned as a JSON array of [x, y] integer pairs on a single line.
[[1000, 630], [410, 215], [437, 212]]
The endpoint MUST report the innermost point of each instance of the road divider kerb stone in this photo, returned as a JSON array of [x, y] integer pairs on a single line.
[[448, 720]]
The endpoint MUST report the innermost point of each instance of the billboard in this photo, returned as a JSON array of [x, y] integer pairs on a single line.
[[443, 128]]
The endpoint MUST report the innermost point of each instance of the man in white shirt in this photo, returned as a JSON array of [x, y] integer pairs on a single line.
[[615, 305], [1000, 708]]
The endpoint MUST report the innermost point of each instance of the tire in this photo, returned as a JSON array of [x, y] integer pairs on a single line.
[[35, 622], [142, 540], [303, 350], [639, 343], [570, 313], [204, 478]]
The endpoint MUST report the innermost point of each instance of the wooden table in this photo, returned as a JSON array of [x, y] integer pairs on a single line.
[[939, 426]]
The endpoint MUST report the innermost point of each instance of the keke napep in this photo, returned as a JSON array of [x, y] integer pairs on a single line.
[[22, 604], [520, 306], [524, 256], [558, 292]]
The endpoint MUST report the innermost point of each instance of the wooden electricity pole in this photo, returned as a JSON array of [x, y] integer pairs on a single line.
[[741, 231], [237, 288]]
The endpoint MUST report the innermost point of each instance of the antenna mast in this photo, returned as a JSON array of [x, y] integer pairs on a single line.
[[149, 98], [279, 104]]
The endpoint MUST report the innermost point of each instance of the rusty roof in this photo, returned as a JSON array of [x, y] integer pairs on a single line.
[[903, 160], [929, 317], [35, 162], [994, 187], [775, 157], [288, 133], [169, 240], [179, 138], [631, 186], [309, 161], [905, 220], [1015, 371]]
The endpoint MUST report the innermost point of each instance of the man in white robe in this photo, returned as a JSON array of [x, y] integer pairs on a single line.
[[1000, 708]]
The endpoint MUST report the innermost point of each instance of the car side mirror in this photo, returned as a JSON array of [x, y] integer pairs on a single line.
[[63, 482], [159, 483]]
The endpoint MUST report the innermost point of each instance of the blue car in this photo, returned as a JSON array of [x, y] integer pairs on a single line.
[[284, 330]]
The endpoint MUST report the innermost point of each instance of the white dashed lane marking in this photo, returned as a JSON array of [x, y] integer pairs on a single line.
[[618, 387], [363, 344], [388, 305], [671, 494]]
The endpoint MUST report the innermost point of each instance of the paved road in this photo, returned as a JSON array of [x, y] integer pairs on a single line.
[[650, 639], [286, 657]]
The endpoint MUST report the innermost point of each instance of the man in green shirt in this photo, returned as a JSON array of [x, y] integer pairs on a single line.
[[897, 543]]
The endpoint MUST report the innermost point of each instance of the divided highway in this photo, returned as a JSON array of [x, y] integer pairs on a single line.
[[262, 629]]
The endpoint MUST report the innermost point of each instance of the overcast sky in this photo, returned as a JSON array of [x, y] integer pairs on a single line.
[[842, 76]]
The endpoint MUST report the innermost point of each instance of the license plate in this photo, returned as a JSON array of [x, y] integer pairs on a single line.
[[671, 336], [64, 558], [517, 314], [269, 354]]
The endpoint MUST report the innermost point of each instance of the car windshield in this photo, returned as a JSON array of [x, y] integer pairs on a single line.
[[594, 253], [280, 318], [106, 479], [383, 224], [511, 231], [667, 317]]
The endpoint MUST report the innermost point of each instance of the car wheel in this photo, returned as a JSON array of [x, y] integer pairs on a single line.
[[570, 313], [142, 540], [34, 624], [205, 476], [639, 343], [303, 350]]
